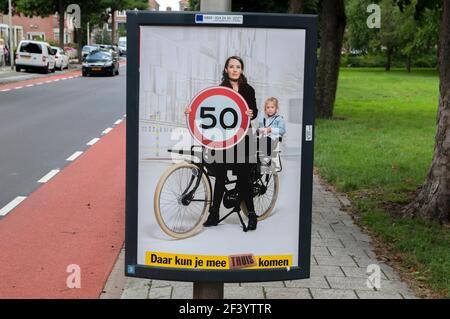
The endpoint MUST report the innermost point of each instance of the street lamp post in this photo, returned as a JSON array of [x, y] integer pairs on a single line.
[[11, 49]]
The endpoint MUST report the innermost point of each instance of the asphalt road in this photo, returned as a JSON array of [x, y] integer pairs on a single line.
[[42, 126]]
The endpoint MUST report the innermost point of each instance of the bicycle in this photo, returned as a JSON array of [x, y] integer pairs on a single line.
[[183, 194]]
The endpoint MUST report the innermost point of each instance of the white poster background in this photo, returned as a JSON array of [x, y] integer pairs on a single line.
[[175, 64]]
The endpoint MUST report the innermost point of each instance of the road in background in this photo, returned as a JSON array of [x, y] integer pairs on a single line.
[[42, 126]]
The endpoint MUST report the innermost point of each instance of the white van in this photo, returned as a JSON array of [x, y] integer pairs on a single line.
[[35, 55]]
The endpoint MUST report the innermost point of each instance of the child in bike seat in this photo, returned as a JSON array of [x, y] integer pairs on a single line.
[[271, 126]]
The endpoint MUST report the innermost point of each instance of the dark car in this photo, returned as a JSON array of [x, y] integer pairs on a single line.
[[100, 62]]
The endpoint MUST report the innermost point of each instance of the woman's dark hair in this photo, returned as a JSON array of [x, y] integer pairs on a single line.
[[225, 79]]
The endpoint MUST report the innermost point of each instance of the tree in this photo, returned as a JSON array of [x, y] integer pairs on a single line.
[[120, 5], [44, 8], [433, 199], [332, 27]]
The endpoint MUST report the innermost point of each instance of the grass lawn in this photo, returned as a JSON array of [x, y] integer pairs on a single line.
[[378, 150]]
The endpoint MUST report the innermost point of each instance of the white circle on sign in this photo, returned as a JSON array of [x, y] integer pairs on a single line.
[[227, 115], [218, 118]]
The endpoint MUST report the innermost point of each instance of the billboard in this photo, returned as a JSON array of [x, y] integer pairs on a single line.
[[219, 146]]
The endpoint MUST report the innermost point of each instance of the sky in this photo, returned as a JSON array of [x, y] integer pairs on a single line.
[[163, 4]]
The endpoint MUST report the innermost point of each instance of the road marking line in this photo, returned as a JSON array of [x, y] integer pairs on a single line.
[[47, 177], [48, 81], [74, 156], [12, 204], [18, 88], [56, 80], [63, 79], [93, 141], [40, 83], [6, 90], [118, 122], [106, 131], [29, 85]]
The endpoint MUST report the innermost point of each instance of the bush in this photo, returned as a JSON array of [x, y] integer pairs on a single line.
[[372, 60]]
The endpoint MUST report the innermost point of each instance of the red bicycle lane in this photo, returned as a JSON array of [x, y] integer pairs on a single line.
[[77, 218]]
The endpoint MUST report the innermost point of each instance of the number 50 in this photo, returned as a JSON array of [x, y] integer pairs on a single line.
[[213, 119]]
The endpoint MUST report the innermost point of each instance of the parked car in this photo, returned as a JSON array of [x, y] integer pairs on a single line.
[[112, 48], [61, 59], [122, 46], [88, 49], [100, 62], [35, 55]]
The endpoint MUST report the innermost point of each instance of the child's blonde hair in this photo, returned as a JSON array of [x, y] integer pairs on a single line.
[[271, 99]]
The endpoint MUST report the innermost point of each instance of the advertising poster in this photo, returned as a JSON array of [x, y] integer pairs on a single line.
[[220, 160]]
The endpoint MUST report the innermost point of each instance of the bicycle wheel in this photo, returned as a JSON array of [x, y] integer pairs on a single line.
[[265, 191], [178, 217]]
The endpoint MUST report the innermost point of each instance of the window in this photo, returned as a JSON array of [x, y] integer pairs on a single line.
[[30, 47]]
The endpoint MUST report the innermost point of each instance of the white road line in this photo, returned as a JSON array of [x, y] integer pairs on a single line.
[[29, 85], [48, 81], [109, 129], [118, 122], [6, 90], [12, 204], [93, 141], [47, 177], [18, 88], [74, 156], [40, 83], [63, 79], [56, 80]]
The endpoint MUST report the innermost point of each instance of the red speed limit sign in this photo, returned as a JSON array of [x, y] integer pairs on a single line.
[[217, 118]]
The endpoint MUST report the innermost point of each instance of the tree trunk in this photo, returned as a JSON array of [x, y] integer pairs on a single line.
[[433, 200], [296, 6], [332, 20], [113, 28], [408, 63], [389, 53], [61, 10]]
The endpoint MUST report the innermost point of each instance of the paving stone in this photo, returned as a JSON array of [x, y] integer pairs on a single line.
[[313, 282], [320, 251], [354, 251], [278, 284], [348, 283], [333, 235], [136, 288], [334, 271], [363, 261], [358, 272], [394, 286], [160, 293], [167, 283], [358, 244], [243, 293], [182, 293], [335, 261], [326, 243], [377, 295], [287, 293], [333, 294]]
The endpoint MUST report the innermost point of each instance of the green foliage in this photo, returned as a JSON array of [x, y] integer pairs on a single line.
[[378, 150], [404, 34]]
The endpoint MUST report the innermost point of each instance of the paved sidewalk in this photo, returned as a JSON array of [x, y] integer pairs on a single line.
[[10, 76], [340, 256]]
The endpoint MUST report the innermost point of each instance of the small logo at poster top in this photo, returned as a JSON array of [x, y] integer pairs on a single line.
[[199, 18], [219, 18], [131, 269]]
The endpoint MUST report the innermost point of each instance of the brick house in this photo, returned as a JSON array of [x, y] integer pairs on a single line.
[[34, 28]]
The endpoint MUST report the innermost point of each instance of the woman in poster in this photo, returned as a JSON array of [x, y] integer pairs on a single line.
[[234, 78]]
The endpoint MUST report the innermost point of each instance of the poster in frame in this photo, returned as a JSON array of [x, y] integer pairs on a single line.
[[171, 57]]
